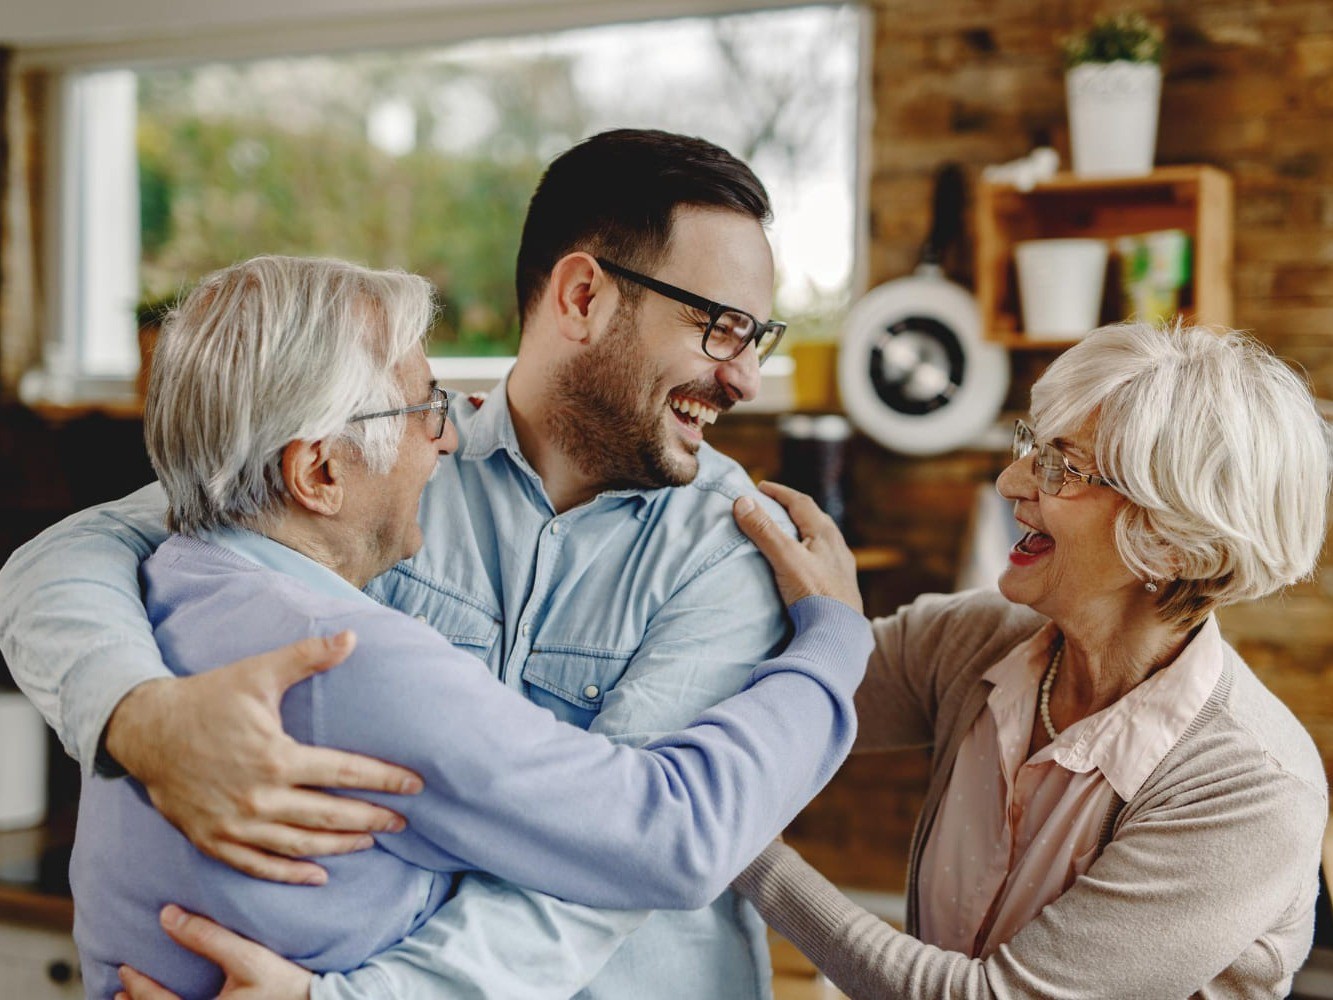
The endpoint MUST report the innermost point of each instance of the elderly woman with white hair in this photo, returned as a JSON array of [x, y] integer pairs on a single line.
[[1117, 806]]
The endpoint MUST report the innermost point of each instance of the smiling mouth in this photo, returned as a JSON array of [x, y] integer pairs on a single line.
[[692, 412]]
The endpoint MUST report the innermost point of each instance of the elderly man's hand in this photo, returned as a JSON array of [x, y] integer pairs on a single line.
[[212, 754], [819, 564], [253, 972]]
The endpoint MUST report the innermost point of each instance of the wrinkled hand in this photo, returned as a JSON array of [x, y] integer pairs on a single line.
[[819, 564], [253, 972], [212, 754]]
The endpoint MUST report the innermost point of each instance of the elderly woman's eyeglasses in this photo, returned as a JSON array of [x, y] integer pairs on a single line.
[[1052, 469], [437, 406], [729, 330]]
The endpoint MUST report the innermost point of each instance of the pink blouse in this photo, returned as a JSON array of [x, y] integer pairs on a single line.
[[1012, 834]]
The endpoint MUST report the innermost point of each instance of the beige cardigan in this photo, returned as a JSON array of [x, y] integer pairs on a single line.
[[1206, 884]]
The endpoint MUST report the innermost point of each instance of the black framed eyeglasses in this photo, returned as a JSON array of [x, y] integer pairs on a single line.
[[729, 329], [1052, 468], [437, 406]]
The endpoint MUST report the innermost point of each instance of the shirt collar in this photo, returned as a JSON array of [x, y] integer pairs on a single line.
[[1016, 679], [264, 551], [492, 428], [1127, 740]]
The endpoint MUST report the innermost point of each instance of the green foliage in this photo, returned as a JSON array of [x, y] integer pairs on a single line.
[[219, 190], [1125, 35], [153, 311], [280, 155]]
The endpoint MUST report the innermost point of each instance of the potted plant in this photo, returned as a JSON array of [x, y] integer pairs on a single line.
[[1113, 85]]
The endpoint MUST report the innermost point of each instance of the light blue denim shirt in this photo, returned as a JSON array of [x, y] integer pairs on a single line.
[[627, 615]]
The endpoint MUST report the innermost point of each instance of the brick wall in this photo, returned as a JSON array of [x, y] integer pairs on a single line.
[[1249, 88]]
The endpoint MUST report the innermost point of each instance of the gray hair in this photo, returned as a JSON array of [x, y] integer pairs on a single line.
[[274, 350], [1218, 445]]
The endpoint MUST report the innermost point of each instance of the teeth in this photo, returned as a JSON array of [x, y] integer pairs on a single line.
[[695, 410]]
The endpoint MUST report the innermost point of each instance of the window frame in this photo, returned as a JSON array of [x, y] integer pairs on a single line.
[[64, 377]]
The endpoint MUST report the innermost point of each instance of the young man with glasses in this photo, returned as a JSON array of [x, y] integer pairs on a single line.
[[580, 542]]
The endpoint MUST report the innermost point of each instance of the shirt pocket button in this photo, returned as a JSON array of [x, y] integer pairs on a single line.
[[591, 691]]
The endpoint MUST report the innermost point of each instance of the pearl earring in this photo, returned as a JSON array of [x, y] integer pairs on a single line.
[[1151, 586]]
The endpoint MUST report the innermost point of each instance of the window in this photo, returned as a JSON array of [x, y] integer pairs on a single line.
[[425, 158]]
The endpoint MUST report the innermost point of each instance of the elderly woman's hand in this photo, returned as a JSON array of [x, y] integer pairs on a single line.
[[819, 564]]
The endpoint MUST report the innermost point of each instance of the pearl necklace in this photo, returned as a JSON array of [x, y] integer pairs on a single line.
[[1047, 683]]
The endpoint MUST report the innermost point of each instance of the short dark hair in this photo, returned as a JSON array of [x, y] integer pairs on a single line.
[[614, 195]]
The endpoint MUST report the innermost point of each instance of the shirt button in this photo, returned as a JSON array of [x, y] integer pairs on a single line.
[[555, 527], [591, 691], [420, 618], [525, 629]]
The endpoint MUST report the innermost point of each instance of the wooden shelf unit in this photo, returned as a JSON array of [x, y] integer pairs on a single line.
[[1196, 199]]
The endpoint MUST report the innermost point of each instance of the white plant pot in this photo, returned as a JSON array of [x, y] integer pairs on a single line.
[[1060, 286], [1113, 117]]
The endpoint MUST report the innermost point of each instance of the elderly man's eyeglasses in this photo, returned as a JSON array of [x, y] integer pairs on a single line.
[[729, 329], [437, 407], [1052, 468]]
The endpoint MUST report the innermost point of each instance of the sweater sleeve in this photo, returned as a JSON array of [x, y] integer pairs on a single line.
[[841, 938], [513, 791], [920, 653], [1183, 895]]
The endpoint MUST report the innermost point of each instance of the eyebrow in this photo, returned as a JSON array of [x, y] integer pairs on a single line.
[[430, 388], [1076, 456]]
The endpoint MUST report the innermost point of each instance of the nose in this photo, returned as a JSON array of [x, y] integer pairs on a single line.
[[739, 377], [448, 441], [1015, 481]]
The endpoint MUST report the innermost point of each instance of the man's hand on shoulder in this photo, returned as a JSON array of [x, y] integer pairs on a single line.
[[819, 564], [212, 754], [253, 972]]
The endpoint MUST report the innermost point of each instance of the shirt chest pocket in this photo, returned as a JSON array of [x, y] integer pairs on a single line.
[[471, 630], [572, 682], [467, 626]]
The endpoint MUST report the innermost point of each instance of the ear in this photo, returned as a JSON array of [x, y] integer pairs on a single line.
[[314, 477], [583, 295]]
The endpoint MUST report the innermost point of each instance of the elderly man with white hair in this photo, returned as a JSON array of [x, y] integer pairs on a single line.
[[293, 421]]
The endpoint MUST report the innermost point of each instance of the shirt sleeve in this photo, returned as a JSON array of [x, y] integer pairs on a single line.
[[1188, 866], [695, 654], [73, 629]]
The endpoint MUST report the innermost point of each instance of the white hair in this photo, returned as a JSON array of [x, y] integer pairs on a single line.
[[1218, 445], [274, 350]]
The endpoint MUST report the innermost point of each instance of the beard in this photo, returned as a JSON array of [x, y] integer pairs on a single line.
[[607, 414]]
